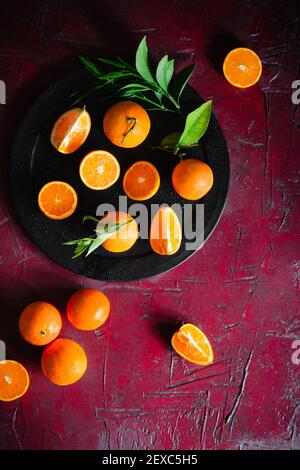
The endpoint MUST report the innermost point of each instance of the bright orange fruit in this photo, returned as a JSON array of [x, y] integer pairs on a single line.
[[88, 309], [99, 169], [126, 124], [192, 179], [14, 380], [64, 361], [57, 200], [165, 232], [141, 181], [40, 323], [71, 130], [125, 237], [192, 344], [242, 67]]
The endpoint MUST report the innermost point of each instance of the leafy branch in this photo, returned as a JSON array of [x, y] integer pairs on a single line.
[[89, 244], [138, 81]]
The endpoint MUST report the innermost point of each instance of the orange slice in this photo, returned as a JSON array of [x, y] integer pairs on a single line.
[[165, 232], [71, 130], [242, 67], [192, 344], [99, 169], [14, 380], [141, 181], [57, 200]]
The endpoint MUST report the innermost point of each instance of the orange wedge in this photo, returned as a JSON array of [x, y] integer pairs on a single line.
[[141, 181], [71, 130], [99, 169], [165, 232], [192, 344], [57, 200], [14, 380], [242, 67]]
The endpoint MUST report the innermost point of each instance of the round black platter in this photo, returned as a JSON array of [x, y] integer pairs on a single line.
[[34, 162]]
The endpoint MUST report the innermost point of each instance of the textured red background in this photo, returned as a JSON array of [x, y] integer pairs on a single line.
[[242, 288]]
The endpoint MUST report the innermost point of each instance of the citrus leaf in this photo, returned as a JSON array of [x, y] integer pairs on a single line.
[[90, 66], [181, 80], [196, 124], [164, 72], [171, 140], [102, 236], [91, 218], [142, 62]]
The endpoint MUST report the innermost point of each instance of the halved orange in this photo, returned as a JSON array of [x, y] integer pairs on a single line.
[[99, 169], [57, 200], [71, 130], [141, 181], [165, 232], [242, 67], [192, 344], [14, 380]]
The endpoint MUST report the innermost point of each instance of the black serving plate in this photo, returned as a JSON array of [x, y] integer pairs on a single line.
[[34, 162]]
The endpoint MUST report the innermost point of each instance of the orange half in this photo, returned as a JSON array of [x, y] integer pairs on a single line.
[[14, 380], [70, 130], [99, 169], [57, 200], [192, 344], [242, 67], [141, 181]]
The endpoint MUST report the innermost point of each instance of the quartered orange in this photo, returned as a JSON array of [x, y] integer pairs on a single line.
[[165, 232], [14, 380], [99, 169], [57, 200], [71, 130], [192, 344], [242, 67]]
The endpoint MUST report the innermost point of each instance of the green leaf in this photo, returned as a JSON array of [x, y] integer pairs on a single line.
[[91, 218], [142, 61], [108, 231], [90, 66], [164, 72], [181, 80], [196, 124], [171, 140], [113, 63]]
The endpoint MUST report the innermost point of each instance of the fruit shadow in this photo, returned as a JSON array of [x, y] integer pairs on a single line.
[[164, 325], [218, 47]]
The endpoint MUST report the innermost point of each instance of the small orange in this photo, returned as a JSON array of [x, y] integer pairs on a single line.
[[57, 200], [40, 323], [99, 169], [242, 67], [141, 181], [126, 124], [192, 179], [88, 309], [192, 344], [63, 361], [14, 380], [125, 237], [71, 130], [165, 232]]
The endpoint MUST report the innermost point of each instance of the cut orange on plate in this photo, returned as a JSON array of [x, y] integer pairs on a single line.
[[165, 232], [57, 200], [71, 130], [192, 344], [99, 169], [14, 380], [141, 181], [242, 67]]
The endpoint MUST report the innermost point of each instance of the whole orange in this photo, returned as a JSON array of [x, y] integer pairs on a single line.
[[40, 323], [63, 361], [192, 179], [88, 309], [126, 124], [125, 237]]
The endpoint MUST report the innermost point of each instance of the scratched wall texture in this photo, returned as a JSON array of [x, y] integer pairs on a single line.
[[242, 288]]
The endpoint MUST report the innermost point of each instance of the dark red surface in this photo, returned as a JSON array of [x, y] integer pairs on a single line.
[[242, 288]]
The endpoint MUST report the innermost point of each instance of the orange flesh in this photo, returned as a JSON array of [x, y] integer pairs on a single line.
[[14, 380], [99, 170], [57, 200], [165, 232], [71, 130], [141, 181], [192, 344], [242, 67]]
